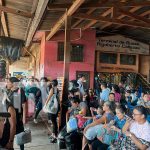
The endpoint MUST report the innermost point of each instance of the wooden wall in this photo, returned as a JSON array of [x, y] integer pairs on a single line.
[[144, 66], [104, 67]]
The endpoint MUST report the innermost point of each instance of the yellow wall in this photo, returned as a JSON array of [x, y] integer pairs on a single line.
[[21, 65]]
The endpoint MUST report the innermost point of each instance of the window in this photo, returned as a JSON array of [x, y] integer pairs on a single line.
[[76, 53], [108, 58], [60, 53], [127, 59]]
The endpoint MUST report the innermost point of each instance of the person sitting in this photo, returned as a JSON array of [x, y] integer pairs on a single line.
[[90, 132], [137, 131], [77, 107], [112, 131], [145, 101], [96, 114], [116, 91]]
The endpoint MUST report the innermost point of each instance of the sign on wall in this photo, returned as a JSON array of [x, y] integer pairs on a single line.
[[121, 44]]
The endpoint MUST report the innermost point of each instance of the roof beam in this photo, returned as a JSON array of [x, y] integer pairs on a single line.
[[120, 17], [36, 20], [134, 16], [3, 21], [34, 6], [60, 22], [15, 11], [142, 15], [106, 13], [89, 12], [112, 20], [97, 5]]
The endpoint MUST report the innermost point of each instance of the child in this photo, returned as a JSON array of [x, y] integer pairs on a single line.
[[98, 111]]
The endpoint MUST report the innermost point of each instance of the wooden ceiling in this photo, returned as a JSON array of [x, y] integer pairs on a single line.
[[22, 18], [106, 16]]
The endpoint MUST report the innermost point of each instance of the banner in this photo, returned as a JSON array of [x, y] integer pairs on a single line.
[[121, 44]]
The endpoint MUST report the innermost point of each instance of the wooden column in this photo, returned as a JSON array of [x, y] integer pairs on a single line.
[[67, 50]]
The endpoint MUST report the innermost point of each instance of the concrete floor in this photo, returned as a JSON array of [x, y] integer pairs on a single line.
[[40, 139]]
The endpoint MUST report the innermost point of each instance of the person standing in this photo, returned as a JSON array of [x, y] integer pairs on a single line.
[[81, 87], [104, 95], [53, 116], [17, 99]]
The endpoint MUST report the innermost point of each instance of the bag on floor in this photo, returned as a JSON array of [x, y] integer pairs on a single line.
[[72, 125], [73, 141], [23, 137], [61, 138]]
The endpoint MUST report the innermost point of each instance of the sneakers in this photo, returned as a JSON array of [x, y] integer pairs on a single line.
[[53, 140], [49, 121], [35, 121]]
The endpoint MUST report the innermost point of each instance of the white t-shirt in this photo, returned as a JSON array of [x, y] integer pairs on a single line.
[[141, 131]]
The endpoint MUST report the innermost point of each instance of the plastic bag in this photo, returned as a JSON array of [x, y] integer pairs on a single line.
[[72, 125]]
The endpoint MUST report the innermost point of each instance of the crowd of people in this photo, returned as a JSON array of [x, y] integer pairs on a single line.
[[112, 117]]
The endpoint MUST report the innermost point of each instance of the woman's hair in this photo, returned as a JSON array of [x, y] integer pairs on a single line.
[[13, 79], [121, 108], [55, 82], [75, 99], [142, 110], [44, 78], [116, 88], [111, 105]]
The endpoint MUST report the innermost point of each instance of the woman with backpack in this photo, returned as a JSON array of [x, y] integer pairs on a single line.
[[54, 114]]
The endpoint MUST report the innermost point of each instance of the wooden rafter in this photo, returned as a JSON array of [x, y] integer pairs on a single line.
[[36, 20], [120, 17], [142, 15], [88, 12], [134, 16], [106, 13], [112, 20], [79, 21], [15, 11], [3, 21], [60, 22], [97, 5], [34, 6]]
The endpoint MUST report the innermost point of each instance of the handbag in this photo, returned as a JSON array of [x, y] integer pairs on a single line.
[[72, 125], [52, 105], [23, 137], [81, 121]]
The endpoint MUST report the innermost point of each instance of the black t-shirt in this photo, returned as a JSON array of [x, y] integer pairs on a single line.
[[6, 134], [17, 97]]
